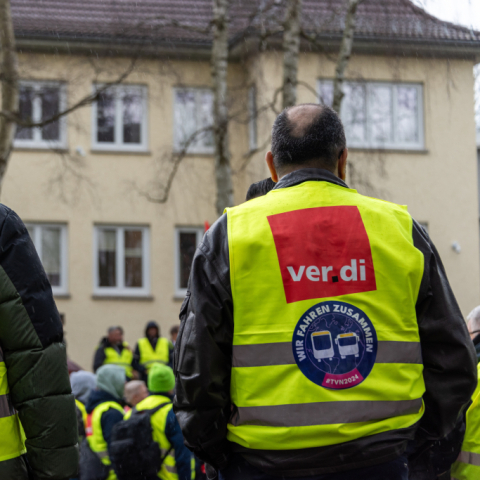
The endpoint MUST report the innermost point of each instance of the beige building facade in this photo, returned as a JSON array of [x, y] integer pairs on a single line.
[[88, 186]]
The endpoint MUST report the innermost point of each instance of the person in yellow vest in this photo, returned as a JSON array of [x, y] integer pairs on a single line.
[[113, 350], [104, 411], [319, 333], [467, 466], [179, 463], [151, 349], [38, 430], [83, 383]]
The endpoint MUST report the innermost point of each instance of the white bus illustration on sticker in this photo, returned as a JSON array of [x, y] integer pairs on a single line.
[[347, 344], [322, 345]]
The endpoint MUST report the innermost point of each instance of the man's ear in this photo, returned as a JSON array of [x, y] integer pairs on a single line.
[[342, 164], [271, 166]]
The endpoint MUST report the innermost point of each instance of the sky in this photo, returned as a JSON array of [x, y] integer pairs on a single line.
[[463, 12]]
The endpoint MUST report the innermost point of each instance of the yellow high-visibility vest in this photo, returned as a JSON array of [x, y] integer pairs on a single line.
[[123, 359], [326, 347], [12, 438], [83, 411], [168, 470], [94, 433], [467, 466], [149, 356]]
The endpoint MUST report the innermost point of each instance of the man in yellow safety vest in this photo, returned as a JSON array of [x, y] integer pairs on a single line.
[[178, 461], [151, 349], [319, 335], [113, 350]]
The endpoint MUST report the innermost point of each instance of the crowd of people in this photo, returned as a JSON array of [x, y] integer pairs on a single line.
[[320, 340], [127, 384]]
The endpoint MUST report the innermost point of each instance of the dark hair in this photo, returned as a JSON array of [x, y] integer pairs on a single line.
[[317, 139], [261, 188], [174, 329]]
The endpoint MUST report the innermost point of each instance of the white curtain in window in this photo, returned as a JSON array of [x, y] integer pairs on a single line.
[[407, 128], [380, 114]]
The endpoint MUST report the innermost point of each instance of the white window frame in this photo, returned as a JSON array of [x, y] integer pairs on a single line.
[[61, 289], [252, 118], [181, 292], [192, 149], [394, 145], [37, 141], [120, 289], [118, 145]]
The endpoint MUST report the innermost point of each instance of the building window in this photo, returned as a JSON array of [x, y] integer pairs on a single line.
[[186, 242], [121, 260], [193, 117], [380, 115], [120, 119], [50, 241], [252, 118], [38, 102]]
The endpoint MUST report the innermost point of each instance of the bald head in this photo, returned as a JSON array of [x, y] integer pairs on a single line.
[[135, 392], [307, 135]]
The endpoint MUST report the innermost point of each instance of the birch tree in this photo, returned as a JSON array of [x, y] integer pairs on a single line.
[[344, 54], [9, 85], [291, 50], [219, 69]]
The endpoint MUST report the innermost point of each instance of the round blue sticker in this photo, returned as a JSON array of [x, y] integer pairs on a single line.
[[335, 345]]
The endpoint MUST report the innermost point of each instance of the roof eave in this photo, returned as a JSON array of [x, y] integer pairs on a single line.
[[198, 50]]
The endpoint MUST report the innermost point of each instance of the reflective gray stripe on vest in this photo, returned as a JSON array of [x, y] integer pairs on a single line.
[[470, 458], [324, 413], [170, 469], [102, 454], [6, 407], [269, 354]]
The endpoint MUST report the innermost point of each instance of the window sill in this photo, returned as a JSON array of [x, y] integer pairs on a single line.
[[140, 298], [120, 151], [410, 151], [40, 148], [62, 296]]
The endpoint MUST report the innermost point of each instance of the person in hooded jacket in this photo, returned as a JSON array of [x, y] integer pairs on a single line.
[[152, 349], [82, 385], [104, 411]]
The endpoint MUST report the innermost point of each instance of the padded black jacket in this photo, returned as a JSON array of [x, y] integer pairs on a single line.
[[31, 337], [203, 361]]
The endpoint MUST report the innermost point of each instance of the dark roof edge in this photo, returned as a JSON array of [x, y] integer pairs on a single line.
[[196, 50]]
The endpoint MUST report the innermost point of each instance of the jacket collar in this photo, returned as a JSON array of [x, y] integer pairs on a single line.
[[309, 174]]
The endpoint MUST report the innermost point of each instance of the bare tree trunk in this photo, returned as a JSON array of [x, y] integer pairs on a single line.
[[344, 54], [291, 49], [219, 66], [9, 85]]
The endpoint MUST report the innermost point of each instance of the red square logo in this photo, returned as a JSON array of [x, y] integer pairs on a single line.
[[323, 252]]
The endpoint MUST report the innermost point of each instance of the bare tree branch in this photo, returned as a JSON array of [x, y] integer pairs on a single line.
[[291, 49], [87, 100], [9, 84], [344, 54]]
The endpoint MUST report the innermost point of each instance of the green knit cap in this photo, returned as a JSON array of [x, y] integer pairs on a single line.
[[160, 378]]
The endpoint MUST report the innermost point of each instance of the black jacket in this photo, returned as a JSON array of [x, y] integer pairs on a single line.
[[203, 361], [31, 338]]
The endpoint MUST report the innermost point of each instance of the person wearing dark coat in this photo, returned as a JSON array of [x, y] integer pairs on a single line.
[[35, 391], [152, 334]]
